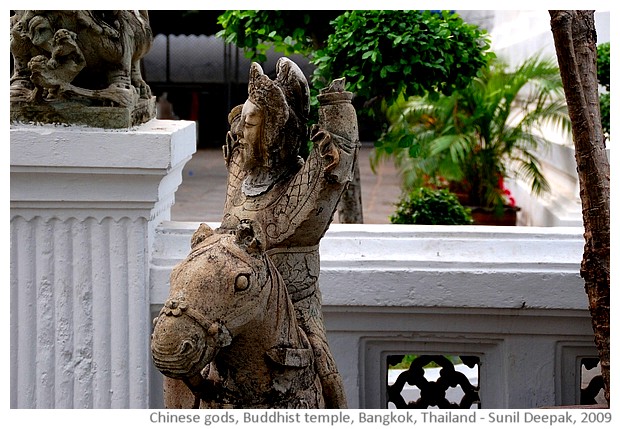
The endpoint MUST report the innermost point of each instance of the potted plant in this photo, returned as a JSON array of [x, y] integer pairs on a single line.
[[426, 206], [474, 139]]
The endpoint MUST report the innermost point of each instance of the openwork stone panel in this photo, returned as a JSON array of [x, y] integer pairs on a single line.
[[594, 386], [433, 392]]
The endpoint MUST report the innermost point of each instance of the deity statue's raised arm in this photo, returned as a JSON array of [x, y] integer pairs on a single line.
[[268, 181]]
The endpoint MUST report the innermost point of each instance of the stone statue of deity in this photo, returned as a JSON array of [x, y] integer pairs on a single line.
[[80, 67], [285, 205]]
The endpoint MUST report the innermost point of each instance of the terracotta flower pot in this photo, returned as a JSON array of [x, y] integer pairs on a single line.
[[485, 216]]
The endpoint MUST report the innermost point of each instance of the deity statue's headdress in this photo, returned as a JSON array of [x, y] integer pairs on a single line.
[[295, 87], [285, 102], [290, 87], [264, 93]]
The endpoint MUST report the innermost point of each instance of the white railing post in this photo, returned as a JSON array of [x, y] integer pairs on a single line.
[[84, 206]]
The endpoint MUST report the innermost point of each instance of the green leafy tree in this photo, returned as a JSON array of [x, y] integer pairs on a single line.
[[603, 61], [381, 53], [387, 54], [474, 138], [602, 64], [286, 31]]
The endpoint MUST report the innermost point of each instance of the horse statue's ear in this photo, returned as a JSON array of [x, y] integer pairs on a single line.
[[248, 236], [201, 234]]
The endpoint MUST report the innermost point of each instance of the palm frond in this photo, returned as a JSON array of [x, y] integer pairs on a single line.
[[494, 127]]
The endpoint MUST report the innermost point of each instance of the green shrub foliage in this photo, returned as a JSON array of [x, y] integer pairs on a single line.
[[479, 135], [605, 113], [425, 206]]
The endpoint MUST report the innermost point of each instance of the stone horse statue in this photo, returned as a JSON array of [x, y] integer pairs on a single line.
[[80, 54], [229, 331], [291, 201]]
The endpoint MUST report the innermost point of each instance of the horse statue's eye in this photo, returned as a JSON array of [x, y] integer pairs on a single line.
[[242, 282]]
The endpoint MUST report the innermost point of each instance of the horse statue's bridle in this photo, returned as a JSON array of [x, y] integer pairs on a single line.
[[218, 334]]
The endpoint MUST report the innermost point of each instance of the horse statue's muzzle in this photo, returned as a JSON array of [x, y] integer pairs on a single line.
[[184, 341]]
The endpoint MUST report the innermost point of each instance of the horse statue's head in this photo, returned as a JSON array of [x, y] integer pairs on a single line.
[[216, 293], [229, 310]]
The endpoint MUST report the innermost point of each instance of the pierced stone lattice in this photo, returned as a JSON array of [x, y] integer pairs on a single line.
[[596, 384], [433, 393]]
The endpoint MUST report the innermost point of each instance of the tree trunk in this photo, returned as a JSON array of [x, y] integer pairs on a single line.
[[575, 44], [350, 204]]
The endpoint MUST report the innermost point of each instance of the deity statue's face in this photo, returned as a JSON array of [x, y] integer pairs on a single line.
[[254, 150]]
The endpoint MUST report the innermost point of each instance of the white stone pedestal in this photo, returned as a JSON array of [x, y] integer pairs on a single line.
[[84, 206]]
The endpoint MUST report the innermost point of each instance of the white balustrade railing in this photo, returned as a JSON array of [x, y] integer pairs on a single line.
[[92, 248], [511, 296]]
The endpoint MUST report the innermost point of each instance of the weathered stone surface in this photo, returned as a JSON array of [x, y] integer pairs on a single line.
[[288, 203], [69, 112], [229, 331], [80, 67]]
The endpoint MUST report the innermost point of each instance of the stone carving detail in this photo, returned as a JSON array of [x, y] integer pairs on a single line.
[[80, 67], [229, 330], [292, 202], [595, 385], [433, 393]]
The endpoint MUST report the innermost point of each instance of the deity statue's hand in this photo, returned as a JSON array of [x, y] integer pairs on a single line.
[[327, 148]]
